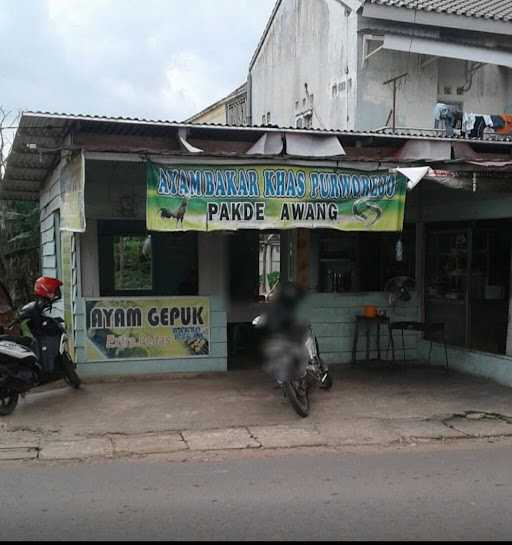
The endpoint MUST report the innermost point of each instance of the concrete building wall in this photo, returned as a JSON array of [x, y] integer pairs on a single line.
[[488, 91], [117, 190], [332, 317], [417, 94], [315, 43], [216, 114], [308, 43]]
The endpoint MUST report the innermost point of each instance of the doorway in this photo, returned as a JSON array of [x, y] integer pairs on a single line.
[[254, 267], [467, 282]]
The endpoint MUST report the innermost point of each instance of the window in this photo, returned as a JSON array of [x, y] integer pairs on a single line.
[[236, 112], [268, 118], [353, 262], [134, 262], [304, 120]]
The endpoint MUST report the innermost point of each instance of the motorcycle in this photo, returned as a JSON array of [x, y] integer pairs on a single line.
[[30, 361], [293, 358]]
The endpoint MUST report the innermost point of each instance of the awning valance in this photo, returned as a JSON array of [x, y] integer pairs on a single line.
[[438, 48]]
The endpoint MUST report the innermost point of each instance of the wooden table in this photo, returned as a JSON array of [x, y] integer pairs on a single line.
[[368, 322]]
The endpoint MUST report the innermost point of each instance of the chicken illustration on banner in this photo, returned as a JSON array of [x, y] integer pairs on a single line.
[[228, 197]]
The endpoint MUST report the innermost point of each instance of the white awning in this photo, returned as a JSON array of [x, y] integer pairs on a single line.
[[437, 48], [312, 145], [269, 143], [425, 150]]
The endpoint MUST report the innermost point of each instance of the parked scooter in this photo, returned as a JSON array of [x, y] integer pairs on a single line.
[[290, 350], [28, 362]]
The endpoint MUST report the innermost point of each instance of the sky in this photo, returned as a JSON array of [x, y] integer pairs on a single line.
[[157, 59]]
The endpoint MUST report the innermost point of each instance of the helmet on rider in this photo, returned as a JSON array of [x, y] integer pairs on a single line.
[[47, 288]]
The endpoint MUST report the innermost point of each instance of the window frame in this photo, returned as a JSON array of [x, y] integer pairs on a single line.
[[355, 247], [107, 230]]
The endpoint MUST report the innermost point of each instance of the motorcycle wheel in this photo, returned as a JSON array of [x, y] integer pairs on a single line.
[[70, 375], [8, 402], [298, 397]]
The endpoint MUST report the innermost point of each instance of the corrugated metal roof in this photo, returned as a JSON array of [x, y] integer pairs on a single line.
[[113, 124], [498, 10], [42, 136]]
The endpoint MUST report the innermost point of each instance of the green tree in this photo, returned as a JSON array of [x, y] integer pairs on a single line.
[[19, 227]]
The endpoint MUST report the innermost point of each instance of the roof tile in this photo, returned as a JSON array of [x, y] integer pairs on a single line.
[[498, 10]]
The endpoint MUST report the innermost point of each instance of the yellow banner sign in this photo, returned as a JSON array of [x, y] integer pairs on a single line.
[[147, 327]]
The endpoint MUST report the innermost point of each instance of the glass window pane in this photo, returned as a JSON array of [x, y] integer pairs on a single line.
[[132, 263]]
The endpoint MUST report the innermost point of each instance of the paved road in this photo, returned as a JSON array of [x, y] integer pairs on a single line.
[[452, 493]]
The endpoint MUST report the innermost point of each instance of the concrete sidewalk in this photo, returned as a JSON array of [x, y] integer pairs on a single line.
[[242, 410]]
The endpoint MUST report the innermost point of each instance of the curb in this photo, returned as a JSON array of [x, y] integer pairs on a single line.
[[249, 438]]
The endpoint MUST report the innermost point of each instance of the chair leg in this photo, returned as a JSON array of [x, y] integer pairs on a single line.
[[392, 343], [446, 353]]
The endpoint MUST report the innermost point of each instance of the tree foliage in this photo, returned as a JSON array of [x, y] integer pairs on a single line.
[[19, 228]]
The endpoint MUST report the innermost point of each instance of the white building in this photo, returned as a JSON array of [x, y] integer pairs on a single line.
[[322, 64]]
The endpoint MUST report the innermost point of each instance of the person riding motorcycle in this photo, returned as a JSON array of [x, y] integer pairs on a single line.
[[283, 332]]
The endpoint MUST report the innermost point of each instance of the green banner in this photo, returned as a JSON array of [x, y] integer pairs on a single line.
[[213, 197], [145, 327]]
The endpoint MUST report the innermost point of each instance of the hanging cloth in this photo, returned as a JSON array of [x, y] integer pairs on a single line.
[[468, 122], [488, 120], [497, 122], [507, 121], [478, 127]]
